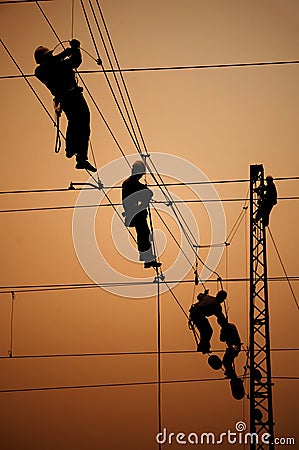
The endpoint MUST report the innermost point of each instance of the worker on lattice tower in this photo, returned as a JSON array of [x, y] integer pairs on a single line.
[[58, 74], [268, 198]]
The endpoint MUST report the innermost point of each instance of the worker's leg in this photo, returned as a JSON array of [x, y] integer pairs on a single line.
[[78, 129], [143, 240], [206, 332], [266, 214], [228, 360]]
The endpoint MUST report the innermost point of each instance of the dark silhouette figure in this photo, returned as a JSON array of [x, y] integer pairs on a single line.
[[229, 334], [207, 306], [58, 74], [267, 201], [136, 197]]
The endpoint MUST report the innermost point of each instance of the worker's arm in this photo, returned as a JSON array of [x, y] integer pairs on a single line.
[[221, 319], [64, 54], [144, 198], [76, 57], [72, 53]]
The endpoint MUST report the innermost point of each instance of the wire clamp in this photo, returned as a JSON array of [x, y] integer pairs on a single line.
[[100, 185], [159, 277]]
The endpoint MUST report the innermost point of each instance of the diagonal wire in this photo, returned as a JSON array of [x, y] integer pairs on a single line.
[[132, 133], [10, 351], [284, 269], [120, 72], [172, 235], [28, 82]]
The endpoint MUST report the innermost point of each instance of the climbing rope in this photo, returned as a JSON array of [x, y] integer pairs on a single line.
[[58, 111]]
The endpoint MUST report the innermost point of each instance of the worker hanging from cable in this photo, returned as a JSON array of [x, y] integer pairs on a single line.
[[135, 198], [267, 201], [207, 306], [58, 74], [229, 334]]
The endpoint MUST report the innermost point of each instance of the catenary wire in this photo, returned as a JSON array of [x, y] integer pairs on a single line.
[[181, 183], [110, 203], [166, 68], [137, 383], [105, 385], [112, 354], [74, 286]]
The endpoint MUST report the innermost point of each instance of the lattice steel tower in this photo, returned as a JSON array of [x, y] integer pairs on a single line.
[[261, 408]]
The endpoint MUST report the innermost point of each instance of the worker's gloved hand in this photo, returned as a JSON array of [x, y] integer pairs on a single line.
[[74, 43]]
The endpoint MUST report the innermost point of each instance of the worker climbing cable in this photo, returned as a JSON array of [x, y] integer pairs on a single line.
[[58, 74], [229, 334], [136, 197], [207, 306]]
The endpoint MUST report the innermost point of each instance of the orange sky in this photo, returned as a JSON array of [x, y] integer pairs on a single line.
[[219, 120]]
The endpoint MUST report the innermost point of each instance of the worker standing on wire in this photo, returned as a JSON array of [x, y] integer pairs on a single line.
[[58, 74], [207, 306], [229, 334], [135, 198], [267, 201]]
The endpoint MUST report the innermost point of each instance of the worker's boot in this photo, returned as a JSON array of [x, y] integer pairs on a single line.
[[69, 153], [155, 264], [204, 347], [85, 165]]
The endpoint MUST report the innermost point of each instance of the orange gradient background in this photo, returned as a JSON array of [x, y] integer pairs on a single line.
[[221, 120]]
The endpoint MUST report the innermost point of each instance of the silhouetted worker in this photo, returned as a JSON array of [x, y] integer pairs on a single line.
[[229, 334], [268, 200], [136, 197], [207, 306], [58, 74]]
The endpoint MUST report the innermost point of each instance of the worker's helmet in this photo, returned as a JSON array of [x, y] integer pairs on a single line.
[[138, 168], [221, 296], [40, 53], [269, 178]]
